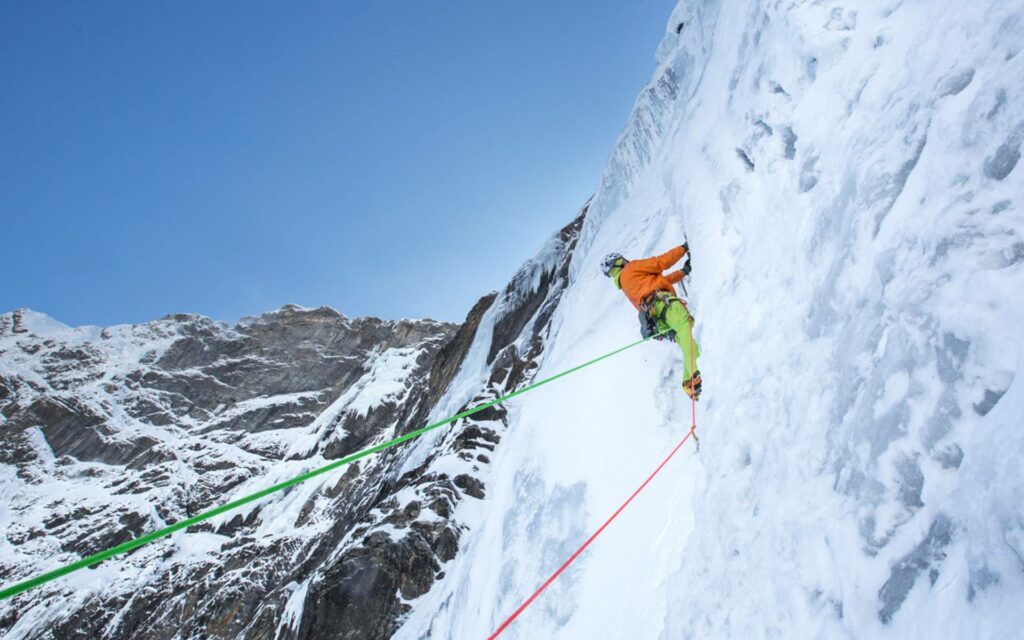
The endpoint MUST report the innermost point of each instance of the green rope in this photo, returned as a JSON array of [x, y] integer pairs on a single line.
[[96, 558]]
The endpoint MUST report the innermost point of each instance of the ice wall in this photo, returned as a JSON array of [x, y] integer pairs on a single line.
[[847, 175]]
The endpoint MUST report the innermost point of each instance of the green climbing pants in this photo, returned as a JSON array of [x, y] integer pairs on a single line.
[[678, 318]]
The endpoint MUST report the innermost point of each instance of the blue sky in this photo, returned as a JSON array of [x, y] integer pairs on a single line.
[[389, 159]]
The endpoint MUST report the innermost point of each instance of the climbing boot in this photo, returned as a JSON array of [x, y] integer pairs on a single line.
[[691, 387]]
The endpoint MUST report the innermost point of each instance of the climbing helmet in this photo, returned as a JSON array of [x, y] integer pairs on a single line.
[[611, 261]]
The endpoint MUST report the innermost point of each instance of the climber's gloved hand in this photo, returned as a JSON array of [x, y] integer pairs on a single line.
[[686, 247], [686, 268]]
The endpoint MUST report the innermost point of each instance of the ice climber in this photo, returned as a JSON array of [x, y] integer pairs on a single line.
[[654, 296]]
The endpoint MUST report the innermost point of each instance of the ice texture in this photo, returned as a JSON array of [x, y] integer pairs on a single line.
[[847, 176]]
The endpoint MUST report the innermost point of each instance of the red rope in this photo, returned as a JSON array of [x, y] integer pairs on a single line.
[[576, 554], [693, 371]]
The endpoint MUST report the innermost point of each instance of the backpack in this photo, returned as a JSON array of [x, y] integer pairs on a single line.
[[648, 326], [649, 318]]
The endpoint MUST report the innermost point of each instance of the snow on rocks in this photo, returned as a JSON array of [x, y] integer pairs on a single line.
[[111, 433]]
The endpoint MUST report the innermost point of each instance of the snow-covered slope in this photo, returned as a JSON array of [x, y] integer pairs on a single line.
[[846, 174]]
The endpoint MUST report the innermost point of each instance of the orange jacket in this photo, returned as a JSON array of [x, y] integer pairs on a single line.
[[640, 278]]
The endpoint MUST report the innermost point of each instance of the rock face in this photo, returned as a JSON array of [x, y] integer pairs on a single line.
[[106, 434]]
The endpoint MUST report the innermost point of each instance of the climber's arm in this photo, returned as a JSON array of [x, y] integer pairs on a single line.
[[657, 264]]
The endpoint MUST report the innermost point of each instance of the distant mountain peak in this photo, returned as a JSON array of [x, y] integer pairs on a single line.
[[26, 320]]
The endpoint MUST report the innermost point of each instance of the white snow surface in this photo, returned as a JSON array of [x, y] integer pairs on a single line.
[[846, 175]]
